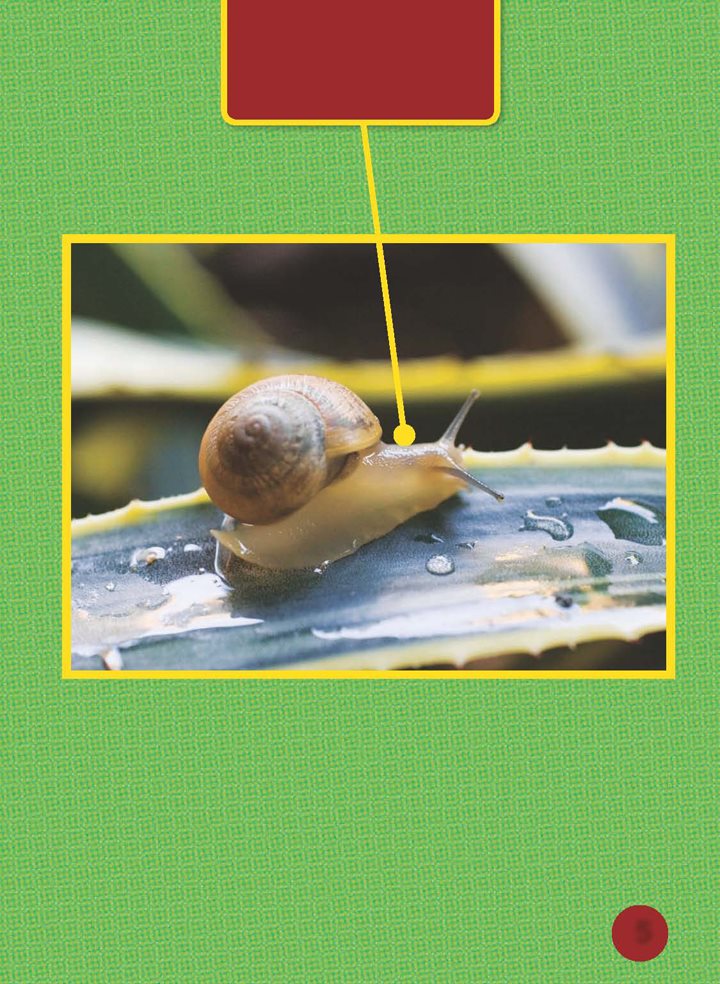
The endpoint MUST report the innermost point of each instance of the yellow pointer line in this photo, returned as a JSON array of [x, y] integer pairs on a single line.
[[385, 289]]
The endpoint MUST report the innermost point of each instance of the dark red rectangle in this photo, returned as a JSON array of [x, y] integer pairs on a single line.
[[380, 61]]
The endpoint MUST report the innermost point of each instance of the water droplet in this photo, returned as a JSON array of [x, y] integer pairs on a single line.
[[112, 659], [559, 529], [553, 502], [468, 545], [564, 600], [110, 586], [147, 556], [440, 564], [201, 570], [598, 564], [633, 559], [429, 538], [636, 521], [191, 548]]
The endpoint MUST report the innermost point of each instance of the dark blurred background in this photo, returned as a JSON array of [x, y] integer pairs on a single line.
[[180, 310]]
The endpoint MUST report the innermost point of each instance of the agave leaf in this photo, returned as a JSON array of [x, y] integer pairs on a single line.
[[575, 553], [108, 361]]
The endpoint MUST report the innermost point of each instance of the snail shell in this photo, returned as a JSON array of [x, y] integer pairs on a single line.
[[277, 443]]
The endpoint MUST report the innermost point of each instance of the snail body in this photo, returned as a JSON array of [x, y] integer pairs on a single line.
[[297, 465]]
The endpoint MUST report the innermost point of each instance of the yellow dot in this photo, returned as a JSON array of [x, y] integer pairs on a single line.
[[404, 435]]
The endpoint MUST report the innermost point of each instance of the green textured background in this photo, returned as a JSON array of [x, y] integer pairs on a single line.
[[330, 830]]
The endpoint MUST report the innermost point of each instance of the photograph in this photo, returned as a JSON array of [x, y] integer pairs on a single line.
[[251, 492]]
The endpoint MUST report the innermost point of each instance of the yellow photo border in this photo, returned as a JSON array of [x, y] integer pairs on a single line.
[[69, 674], [497, 57]]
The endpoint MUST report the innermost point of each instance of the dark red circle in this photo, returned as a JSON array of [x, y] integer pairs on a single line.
[[640, 933]]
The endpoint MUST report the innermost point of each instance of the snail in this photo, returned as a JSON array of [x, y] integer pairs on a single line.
[[298, 466]]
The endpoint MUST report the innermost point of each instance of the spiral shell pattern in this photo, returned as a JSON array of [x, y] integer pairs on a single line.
[[275, 444]]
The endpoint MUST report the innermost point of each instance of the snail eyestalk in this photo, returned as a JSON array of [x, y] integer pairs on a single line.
[[448, 438], [459, 419]]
